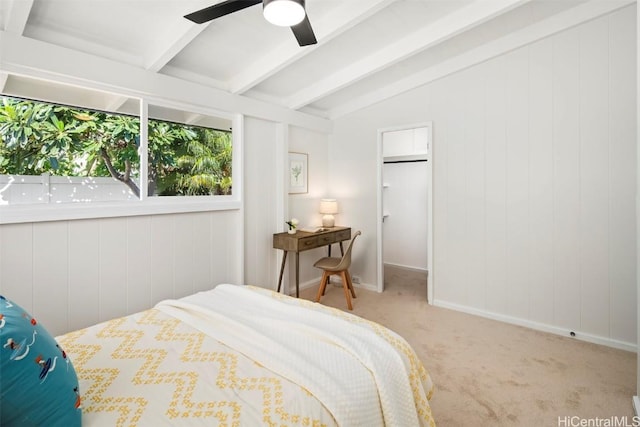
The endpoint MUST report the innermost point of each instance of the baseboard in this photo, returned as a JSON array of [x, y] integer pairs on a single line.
[[337, 281], [622, 345], [406, 267], [305, 285]]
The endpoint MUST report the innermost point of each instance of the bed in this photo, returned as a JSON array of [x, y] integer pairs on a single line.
[[246, 356]]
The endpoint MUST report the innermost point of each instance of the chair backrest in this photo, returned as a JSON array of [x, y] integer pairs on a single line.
[[345, 262]]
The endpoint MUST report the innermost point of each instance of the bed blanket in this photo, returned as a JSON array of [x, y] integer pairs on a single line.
[[363, 373]]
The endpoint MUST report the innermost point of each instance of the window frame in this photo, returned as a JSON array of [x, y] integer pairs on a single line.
[[145, 205]]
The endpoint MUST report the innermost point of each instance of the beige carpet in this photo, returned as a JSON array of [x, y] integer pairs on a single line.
[[489, 373]]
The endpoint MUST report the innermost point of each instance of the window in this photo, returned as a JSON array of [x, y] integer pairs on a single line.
[[55, 152], [187, 159]]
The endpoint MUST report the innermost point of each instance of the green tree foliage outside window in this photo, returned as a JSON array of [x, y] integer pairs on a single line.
[[38, 137]]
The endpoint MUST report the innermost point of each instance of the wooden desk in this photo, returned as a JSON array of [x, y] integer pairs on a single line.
[[303, 241]]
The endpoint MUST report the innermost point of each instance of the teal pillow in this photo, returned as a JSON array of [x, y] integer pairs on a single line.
[[38, 384]]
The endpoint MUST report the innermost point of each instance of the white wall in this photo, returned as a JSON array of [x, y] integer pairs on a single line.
[[305, 207], [267, 204], [405, 205], [260, 201], [71, 274], [534, 181]]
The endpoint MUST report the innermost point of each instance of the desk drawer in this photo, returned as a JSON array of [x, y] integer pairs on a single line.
[[342, 235], [326, 239], [307, 243], [329, 238]]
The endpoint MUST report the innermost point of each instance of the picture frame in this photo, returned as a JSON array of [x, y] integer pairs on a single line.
[[298, 173]]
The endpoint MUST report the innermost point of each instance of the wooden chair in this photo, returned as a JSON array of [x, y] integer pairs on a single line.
[[338, 266]]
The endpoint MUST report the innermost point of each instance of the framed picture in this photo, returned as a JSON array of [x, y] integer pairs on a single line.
[[298, 173]]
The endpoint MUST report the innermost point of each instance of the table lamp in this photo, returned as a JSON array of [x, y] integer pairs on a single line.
[[328, 208]]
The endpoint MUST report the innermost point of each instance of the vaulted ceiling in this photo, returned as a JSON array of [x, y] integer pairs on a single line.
[[367, 50]]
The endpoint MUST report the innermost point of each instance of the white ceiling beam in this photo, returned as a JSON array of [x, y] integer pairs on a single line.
[[3, 81], [42, 60], [179, 39], [443, 29], [176, 39], [162, 54], [114, 102], [15, 22], [168, 47], [517, 39], [192, 119], [341, 19], [182, 73]]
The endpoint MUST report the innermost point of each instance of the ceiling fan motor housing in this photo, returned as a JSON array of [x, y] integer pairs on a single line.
[[284, 13]]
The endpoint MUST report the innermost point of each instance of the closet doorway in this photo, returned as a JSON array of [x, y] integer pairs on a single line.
[[405, 196]]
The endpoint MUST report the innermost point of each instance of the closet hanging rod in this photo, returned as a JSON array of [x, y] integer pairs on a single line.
[[405, 161]]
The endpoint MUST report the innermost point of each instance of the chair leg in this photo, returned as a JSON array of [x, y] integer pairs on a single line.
[[324, 288], [323, 284], [350, 283], [345, 286]]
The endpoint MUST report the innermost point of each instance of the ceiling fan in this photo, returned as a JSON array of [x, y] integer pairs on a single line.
[[285, 13]]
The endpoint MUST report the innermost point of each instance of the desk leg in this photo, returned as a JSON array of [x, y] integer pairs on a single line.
[[341, 249], [297, 274], [284, 260]]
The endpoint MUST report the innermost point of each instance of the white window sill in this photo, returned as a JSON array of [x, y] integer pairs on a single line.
[[152, 206]]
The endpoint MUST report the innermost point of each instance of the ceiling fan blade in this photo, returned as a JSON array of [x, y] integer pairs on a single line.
[[217, 10], [304, 32]]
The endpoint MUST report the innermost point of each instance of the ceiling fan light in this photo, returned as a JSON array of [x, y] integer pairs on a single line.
[[284, 13]]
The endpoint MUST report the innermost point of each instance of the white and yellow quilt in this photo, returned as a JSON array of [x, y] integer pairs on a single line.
[[246, 356]]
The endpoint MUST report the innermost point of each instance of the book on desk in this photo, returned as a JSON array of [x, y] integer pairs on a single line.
[[318, 229]]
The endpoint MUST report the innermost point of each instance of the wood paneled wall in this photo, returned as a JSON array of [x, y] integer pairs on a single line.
[[534, 181], [71, 274], [262, 193]]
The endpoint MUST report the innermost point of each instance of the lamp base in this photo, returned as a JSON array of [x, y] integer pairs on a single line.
[[328, 221]]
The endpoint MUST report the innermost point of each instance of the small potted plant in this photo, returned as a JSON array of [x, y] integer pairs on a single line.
[[292, 223]]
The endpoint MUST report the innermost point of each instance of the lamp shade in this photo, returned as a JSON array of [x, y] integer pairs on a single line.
[[284, 13], [328, 207]]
